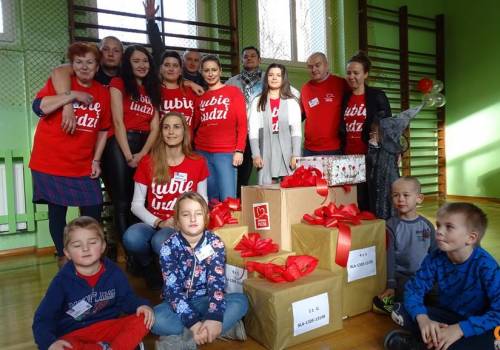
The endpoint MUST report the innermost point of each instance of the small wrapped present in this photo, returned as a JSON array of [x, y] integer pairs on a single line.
[[231, 234], [285, 314], [338, 170]]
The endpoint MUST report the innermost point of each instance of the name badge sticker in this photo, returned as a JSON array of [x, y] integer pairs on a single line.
[[79, 309], [205, 252], [313, 102], [180, 176]]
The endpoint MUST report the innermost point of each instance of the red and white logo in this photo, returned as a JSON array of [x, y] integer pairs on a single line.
[[261, 216]]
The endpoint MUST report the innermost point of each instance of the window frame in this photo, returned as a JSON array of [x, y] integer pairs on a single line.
[[294, 62], [9, 34]]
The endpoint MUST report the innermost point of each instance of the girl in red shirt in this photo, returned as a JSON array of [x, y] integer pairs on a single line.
[[161, 177], [175, 95], [221, 130], [66, 166], [135, 98]]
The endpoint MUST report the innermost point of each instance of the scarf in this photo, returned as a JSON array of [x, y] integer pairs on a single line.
[[248, 80]]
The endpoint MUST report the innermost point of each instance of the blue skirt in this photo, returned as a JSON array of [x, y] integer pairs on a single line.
[[66, 191]]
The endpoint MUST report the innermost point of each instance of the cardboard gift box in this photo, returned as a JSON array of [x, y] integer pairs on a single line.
[[338, 170], [231, 234], [271, 210], [236, 272], [365, 275], [285, 314]]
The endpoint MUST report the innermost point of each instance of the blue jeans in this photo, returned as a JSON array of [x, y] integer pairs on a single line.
[[309, 153], [167, 322], [483, 341], [142, 240], [221, 182]]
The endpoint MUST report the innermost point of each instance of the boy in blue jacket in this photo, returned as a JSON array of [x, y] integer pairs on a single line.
[[468, 279], [83, 303]]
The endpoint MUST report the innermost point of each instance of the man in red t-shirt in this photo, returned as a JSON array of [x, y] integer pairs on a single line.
[[321, 100]]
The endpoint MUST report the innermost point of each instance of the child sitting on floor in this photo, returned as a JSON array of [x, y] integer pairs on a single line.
[[83, 303], [411, 237], [469, 289]]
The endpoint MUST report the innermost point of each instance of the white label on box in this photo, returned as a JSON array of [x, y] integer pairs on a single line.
[[234, 278], [261, 218], [361, 263], [310, 313]]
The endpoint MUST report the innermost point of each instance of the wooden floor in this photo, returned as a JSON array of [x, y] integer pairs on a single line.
[[23, 281]]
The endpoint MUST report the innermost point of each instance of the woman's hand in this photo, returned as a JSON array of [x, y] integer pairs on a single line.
[[258, 162], [197, 89], [82, 97], [167, 223], [96, 169], [149, 315], [150, 9], [136, 158], [293, 162], [237, 158], [68, 122]]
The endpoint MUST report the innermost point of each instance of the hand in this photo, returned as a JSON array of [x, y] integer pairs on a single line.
[[167, 223], [96, 170], [237, 158], [68, 123], [389, 292], [258, 162], [60, 345], [82, 97], [149, 9], [213, 328], [293, 162], [149, 315], [449, 335], [197, 89], [136, 158], [200, 334], [430, 330]]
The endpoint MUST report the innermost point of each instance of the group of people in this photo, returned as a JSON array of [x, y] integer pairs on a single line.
[[111, 113]]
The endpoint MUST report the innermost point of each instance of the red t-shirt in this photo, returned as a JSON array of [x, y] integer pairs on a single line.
[[93, 279], [275, 106], [175, 100], [354, 117], [184, 177], [137, 115], [58, 153], [221, 121], [322, 104]]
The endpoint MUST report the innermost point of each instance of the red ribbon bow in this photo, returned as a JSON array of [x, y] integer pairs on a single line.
[[332, 216], [253, 245], [305, 177], [295, 267], [220, 214]]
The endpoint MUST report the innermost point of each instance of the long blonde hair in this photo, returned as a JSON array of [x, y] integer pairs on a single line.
[[160, 168]]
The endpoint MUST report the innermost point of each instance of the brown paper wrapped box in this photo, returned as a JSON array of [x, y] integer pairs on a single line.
[[271, 318], [321, 242], [231, 234], [284, 207], [235, 267]]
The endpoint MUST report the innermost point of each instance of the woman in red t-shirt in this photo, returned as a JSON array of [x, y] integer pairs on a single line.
[[65, 164], [361, 110], [220, 130], [135, 98], [175, 95], [161, 177]]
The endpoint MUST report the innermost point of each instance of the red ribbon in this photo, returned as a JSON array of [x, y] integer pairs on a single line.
[[253, 245], [233, 204], [339, 217], [305, 177], [295, 267], [220, 216]]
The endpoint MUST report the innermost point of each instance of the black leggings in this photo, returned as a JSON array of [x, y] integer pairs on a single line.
[[119, 179], [57, 221]]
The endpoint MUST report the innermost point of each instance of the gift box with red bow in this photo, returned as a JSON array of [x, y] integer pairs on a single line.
[[285, 314], [231, 234], [338, 170], [359, 254]]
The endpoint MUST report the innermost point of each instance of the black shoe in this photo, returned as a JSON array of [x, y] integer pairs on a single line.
[[133, 267], [153, 276], [383, 306], [399, 339]]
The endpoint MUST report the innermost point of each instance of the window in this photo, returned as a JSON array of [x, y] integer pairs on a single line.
[[290, 30], [7, 19], [177, 9]]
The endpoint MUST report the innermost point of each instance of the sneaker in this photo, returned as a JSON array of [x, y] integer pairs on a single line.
[[383, 306], [176, 342], [399, 339], [153, 277], [235, 333]]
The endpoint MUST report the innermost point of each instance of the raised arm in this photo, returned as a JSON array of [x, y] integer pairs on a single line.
[[154, 35]]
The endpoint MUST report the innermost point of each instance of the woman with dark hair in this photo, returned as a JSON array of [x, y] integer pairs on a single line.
[[361, 110], [135, 98], [175, 96], [65, 167], [221, 123], [161, 177], [275, 129]]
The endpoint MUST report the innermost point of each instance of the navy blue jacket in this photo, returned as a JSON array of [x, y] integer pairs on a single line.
[[111, 297]]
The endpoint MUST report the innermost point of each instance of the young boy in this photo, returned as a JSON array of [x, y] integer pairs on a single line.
[[81, 307], [411, 237], [469, 289]]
